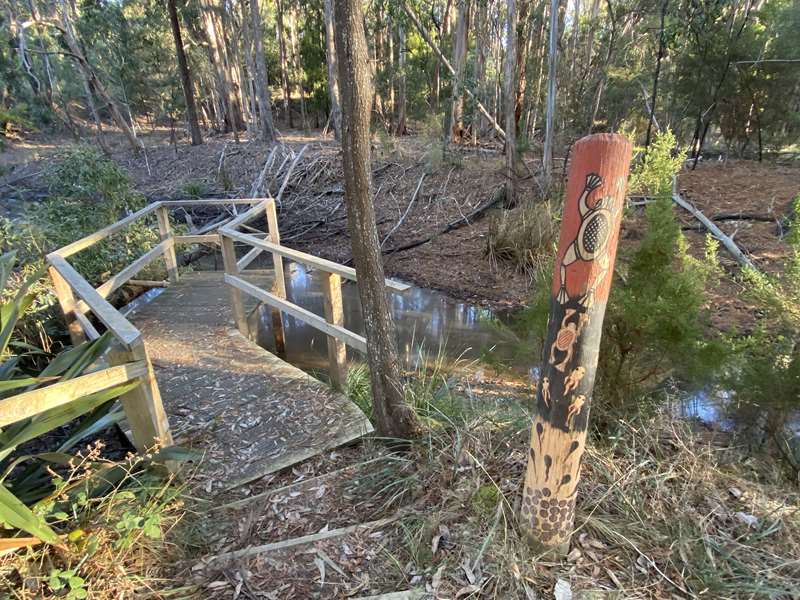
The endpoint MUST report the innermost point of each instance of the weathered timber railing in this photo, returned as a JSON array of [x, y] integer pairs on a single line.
[[332, 324], [128, 357]]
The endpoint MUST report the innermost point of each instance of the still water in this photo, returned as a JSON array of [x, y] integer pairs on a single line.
[[427, 322]]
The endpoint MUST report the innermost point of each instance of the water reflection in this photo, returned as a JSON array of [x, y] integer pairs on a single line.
[[425, 320]]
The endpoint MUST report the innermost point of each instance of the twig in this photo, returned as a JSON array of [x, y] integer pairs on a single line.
[[408, 209], [299, 541]]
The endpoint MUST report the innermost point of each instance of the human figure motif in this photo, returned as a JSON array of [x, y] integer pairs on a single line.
[[592, 240], [575, 407], [573, 379], [546, 391]]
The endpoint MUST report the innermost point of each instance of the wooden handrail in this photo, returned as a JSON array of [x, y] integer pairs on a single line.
[[34, 402], [302, 257], [93, 238], [348, 337], [118, 325], [210, 201], [128, 273]]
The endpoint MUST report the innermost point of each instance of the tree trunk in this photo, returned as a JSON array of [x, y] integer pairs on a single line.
[[437, 77], [459, 58], [401, 87], [547, 158], [186, 77], [333, 77], [287, 106], [424, 34], [661, 46], [394, 418], [581, 283], [509, 72], [248, 73], [266, 126], [91, 77], [297, 67], [481, 18]]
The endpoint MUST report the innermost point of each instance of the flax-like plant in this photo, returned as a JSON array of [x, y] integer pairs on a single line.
[[23, 477]]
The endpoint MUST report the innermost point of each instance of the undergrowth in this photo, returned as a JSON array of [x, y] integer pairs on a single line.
[[115, 521], [88, 191], [664, 510]]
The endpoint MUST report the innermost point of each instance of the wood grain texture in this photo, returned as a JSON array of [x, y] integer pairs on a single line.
[[28, 404]]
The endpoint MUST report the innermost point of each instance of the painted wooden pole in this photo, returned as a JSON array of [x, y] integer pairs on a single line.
[[584, 267]]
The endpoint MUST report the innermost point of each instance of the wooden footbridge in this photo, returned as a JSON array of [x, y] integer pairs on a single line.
[[203, 383]]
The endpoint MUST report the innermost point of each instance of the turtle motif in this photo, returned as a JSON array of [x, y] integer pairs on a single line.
[[567, 335], [592, 240]]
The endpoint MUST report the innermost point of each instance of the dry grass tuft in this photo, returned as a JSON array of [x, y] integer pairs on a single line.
[[523, 236]]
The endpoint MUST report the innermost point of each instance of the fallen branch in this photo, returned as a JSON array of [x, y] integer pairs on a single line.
[[408, 210], [260, 179], [497, 197], [289, 174], [291, 543], [726, 241]]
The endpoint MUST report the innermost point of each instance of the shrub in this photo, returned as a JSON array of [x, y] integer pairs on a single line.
[[654, 325], [766, 372], [88, 192], [652, 176]]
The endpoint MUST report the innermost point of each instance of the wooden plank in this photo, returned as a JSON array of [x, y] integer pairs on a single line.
[[209, 238], [28, 404], [165, 232], [119, 326], [87, 326], [245, 261], [143, 406], [101, 234], [66, 301], [209, 201], [298, 541], [249, 214], [237, 304], [353, 339], [307, 259], [279, 283], [334, 314], [129, 272]]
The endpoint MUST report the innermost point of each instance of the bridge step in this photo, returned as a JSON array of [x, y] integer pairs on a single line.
[[247, 410]]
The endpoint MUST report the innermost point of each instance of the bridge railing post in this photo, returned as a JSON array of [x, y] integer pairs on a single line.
[[165, 231], [279, 284], [334, 314], [143, 406], [66, 300], [231, 268]]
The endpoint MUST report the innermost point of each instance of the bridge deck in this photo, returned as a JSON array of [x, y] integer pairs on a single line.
[[250, 412]]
